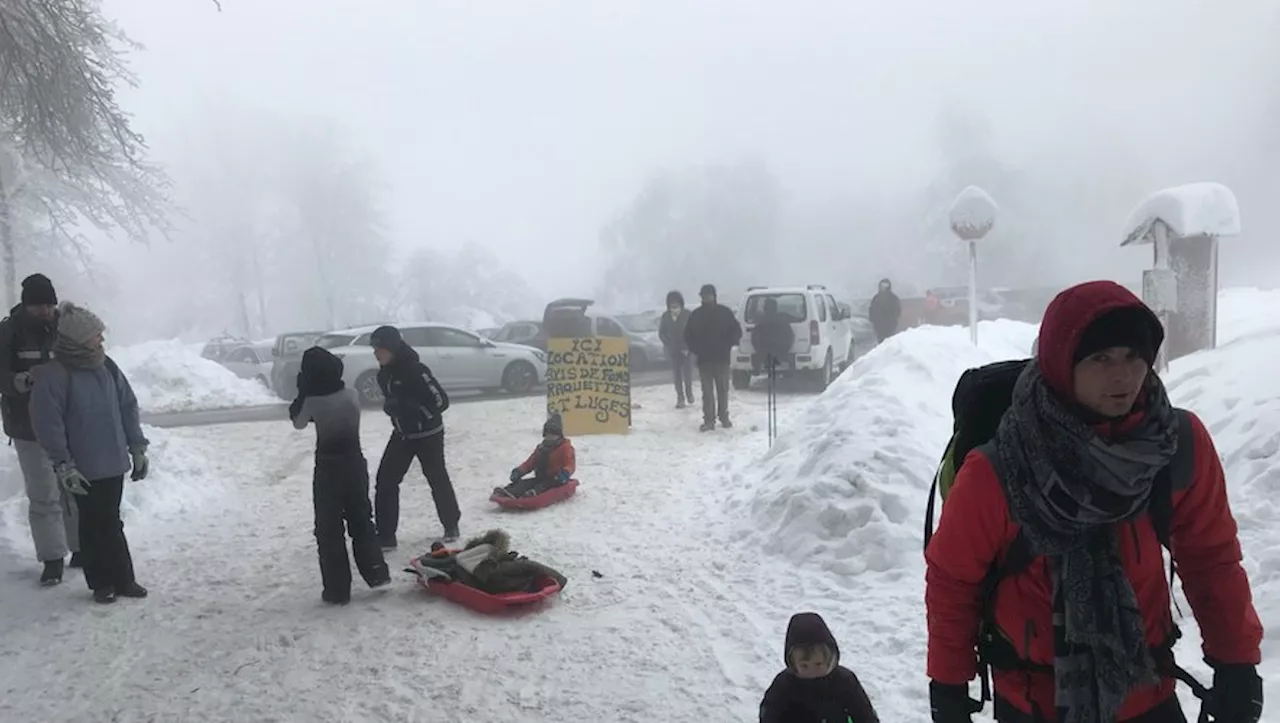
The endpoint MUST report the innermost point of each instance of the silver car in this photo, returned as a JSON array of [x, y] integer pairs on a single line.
[[250, 361], [460, 359]]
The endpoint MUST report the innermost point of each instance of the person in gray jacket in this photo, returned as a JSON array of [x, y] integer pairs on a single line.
[[26, 342], [85, 415], [340, 484], [671, 333]]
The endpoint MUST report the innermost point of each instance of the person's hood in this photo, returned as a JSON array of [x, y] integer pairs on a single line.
[[809, 629], [1065, 321], [321, 366], [405, 355]]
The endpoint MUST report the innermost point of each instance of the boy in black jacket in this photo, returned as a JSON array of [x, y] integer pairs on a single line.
[[814, 688], [340, 485], [416, 402]]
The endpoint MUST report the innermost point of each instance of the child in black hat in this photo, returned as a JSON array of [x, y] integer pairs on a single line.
[[815, 688], [552, 463]]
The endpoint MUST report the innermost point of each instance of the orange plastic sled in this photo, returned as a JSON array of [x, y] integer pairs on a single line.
[[550, 497]]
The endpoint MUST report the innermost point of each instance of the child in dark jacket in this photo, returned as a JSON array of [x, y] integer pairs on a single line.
[[340, 484], [552, 464], [814, 688]]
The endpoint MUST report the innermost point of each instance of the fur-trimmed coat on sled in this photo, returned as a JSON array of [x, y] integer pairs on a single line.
[[487, 563]]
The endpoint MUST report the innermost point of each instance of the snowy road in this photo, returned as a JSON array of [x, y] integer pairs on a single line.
[[235, 631]]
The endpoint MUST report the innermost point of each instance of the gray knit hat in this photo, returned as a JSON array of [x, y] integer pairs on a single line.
[[78, 324]]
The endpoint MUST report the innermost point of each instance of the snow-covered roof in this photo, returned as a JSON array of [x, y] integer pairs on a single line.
[[972, 214], [1195, 209]]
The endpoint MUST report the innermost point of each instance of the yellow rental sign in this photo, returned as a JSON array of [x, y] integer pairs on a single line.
[[589, 384]]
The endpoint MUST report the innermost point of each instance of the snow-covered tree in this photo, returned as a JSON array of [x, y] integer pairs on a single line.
[[469, 287], [68, 153]]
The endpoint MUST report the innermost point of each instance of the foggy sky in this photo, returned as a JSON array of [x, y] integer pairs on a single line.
[[525, 125]]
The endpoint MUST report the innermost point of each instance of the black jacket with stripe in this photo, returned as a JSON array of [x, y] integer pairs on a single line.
[[414, 399], [25, 343]]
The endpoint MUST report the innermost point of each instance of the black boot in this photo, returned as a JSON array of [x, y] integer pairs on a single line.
[[451, 534], [104, 595], [133, 590], [52, 574], [387, 542], [334, 598]]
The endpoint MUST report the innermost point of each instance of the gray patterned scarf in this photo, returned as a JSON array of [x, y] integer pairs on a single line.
[[1068, 487]]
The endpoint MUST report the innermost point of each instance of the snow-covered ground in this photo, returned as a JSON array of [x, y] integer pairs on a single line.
[[704, 544], [170, 376]]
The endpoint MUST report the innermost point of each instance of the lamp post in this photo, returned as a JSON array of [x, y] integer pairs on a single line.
[[972, 216]]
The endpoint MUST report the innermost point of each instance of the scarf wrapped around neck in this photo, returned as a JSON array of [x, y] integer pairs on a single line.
[[1067, 488], [79, 356]]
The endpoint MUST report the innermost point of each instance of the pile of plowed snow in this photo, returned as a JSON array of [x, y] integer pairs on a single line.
[[844, 485], [168, 376]]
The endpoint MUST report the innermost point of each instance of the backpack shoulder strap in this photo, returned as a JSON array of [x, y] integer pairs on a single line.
[[1018, 556], [1174, 477]]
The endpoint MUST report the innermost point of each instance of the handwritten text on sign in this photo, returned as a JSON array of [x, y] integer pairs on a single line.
[[589, 384]]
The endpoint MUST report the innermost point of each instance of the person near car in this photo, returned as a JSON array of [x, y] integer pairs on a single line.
[[1075, 471], [415, 402], [710, 334], [932, 311], [885, 312], [27, 337], [671, 334], [85, 415]]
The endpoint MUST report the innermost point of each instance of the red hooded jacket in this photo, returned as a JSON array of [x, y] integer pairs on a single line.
[[976, 528]]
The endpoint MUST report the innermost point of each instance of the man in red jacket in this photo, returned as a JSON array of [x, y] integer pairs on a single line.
[[1089, 428]]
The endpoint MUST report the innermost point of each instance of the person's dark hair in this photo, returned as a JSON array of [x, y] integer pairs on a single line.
[[675, 297], [707, 290]]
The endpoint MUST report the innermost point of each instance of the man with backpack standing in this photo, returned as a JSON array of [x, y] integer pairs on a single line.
[[27, 338], [416, 403], [1047, 565]]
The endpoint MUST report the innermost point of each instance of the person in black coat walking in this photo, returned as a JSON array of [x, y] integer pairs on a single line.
[[671, 333], [340, 484], [885, 312], [416, 403], [711, 334]]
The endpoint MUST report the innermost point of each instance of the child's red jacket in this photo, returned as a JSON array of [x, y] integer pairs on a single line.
[[550, 463]]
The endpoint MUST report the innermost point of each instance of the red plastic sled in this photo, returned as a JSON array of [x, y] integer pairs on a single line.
[[483, 602], [550, 497]]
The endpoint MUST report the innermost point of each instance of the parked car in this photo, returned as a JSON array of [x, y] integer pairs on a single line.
[[286, 360], [525, 333], [864, 334], [217, 348], [642, 333], [459, 358], [824, 340], [250, 361], [570, 318], [489, 332]]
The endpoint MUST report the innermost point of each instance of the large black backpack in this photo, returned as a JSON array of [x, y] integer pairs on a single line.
[[981, 397]]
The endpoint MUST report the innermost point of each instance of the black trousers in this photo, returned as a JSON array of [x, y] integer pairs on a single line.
[[1170, 711], [396, 459], [340, 494], [682, 373], [104, 551], [715, 391], [537, 484]]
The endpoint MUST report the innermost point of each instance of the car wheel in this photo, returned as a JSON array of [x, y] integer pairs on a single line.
[[822, 377], [742, 380], [853, 354], [519, 377], [367, 388]]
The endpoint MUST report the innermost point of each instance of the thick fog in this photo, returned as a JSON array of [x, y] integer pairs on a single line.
[[337, 163]]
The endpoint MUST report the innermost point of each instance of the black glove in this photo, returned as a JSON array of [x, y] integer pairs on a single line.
[[295, 407], [516, 474], [1237, 693], [951, 703]]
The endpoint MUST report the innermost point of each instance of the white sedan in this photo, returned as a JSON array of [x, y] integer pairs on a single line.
[[460, 359]]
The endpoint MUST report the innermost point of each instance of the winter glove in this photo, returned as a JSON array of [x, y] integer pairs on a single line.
[[70, 479], [295, 408], [141, 465], [1236, 696], [562, 477], [516, 474], [951, 703], [22, 382]]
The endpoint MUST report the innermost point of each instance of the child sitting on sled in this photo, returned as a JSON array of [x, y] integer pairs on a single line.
[[814, 688], [552, 464]]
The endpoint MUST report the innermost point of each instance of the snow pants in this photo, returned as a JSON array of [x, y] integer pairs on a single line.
[[715, 391], [682, 371], [340, 495], [535, 484], [52, 514], [396, 458], [103, 547]]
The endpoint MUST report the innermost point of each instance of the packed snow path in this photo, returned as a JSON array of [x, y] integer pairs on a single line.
[[235, 630]]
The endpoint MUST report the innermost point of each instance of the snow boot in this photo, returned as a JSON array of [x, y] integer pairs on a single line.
[[680, 403], [133, 590], [52, 574], [381, 578], [724, 422], [707, 427], [501, 492], [104, 595], [334, 598], [76, 563], [387, 542], [451, 534]]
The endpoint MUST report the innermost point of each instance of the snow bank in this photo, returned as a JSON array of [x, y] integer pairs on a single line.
[[168, 376], [1191, 210], [845, 484], [1245, 313]]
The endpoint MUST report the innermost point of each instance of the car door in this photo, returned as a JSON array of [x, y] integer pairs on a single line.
[[464, 358], [422, 341]]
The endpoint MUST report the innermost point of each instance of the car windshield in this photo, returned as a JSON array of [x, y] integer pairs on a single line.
[[332, 341], [639, 323], [790, 305]]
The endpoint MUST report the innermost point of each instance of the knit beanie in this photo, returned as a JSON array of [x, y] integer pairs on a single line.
[[707, 290], [37, 289], [1127, 327], [553, 426], [77, 324], [386, 337]]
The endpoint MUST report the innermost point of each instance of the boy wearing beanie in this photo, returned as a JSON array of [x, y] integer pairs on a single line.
[[814, 688], [552, 464]]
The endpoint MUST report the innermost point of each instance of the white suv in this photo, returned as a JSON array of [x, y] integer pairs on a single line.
[[460, 359], [824, 343]]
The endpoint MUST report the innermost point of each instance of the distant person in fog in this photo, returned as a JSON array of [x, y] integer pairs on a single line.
[[886, 311], [711, 333], [671, 333]]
